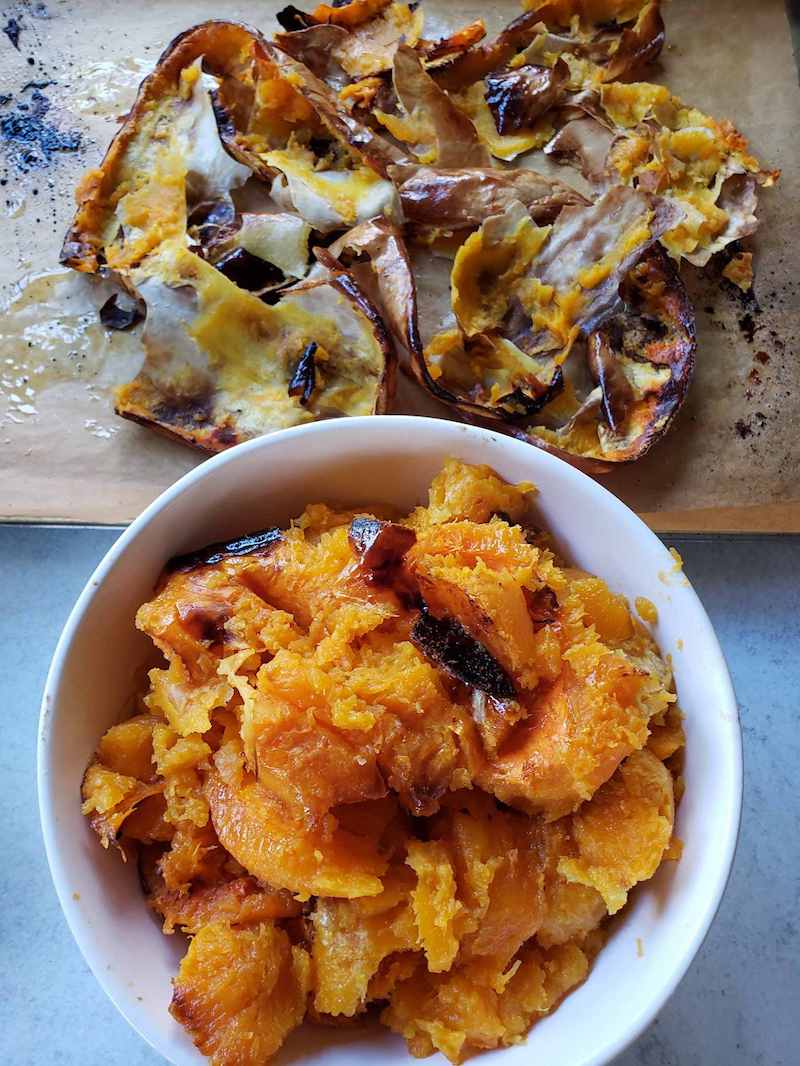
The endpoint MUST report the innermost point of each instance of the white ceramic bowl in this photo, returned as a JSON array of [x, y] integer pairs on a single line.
[[360, 461]]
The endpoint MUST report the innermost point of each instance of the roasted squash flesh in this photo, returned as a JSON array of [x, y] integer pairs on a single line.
[[345, 818]]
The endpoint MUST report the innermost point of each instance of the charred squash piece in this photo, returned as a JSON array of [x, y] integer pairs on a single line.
[[517, 98], [254, 543], [542, 606], [487, 56], [446, 48], [380, 544], [476, 575], [450, 647]]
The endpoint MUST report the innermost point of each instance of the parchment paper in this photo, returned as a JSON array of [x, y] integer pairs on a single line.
[[731, 462]]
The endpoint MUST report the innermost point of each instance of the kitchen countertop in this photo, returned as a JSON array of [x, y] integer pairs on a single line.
[[738, 1005]]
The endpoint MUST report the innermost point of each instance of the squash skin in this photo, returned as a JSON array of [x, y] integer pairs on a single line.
[[218, 366]]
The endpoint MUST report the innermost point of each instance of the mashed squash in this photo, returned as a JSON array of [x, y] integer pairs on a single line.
[[399, 767]]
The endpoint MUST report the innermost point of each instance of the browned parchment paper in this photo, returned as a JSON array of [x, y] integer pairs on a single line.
[[730, 463]]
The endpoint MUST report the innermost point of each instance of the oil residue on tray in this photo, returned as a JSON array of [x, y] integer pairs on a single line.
[[105, 88], [50, 333]]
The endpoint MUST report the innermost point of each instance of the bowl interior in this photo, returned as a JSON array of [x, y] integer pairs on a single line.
[[362, 461]]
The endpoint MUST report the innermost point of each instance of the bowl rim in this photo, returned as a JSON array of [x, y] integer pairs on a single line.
[[715, 662]]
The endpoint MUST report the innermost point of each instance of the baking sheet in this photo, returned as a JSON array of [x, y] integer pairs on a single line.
[[729, 463]]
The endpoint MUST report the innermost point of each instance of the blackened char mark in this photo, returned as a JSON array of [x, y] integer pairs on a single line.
[[446, 643], [422, 798], [248, 271], [517, 98], [259, 543], [116, 316], [380, 544], [292, 18], [205, 621], [523, 405], [381, 547], [304, 379], [542, 606]]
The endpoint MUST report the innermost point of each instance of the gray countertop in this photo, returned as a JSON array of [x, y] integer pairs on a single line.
[[740, 1002]]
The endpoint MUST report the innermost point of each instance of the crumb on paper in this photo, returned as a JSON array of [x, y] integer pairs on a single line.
[[639, 948], [739, 271], [679, 644], [647, 610], [76, 896]]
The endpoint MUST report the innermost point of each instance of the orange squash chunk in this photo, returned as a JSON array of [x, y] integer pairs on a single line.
[[109, 798], [353, 937], [607, 612], [287, 852], [199, 616], [239, 902], [436, 909], [478, 1006], [147, 824], [571, 911], [576, 734], [666, 734], [240, 992], [350, 14], [194, 854], [623, 831], [498, 870], [313, 768], [461, 492], [127, 748]]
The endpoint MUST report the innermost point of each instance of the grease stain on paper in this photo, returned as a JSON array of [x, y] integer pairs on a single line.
[[50, 333], [107, 88]]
